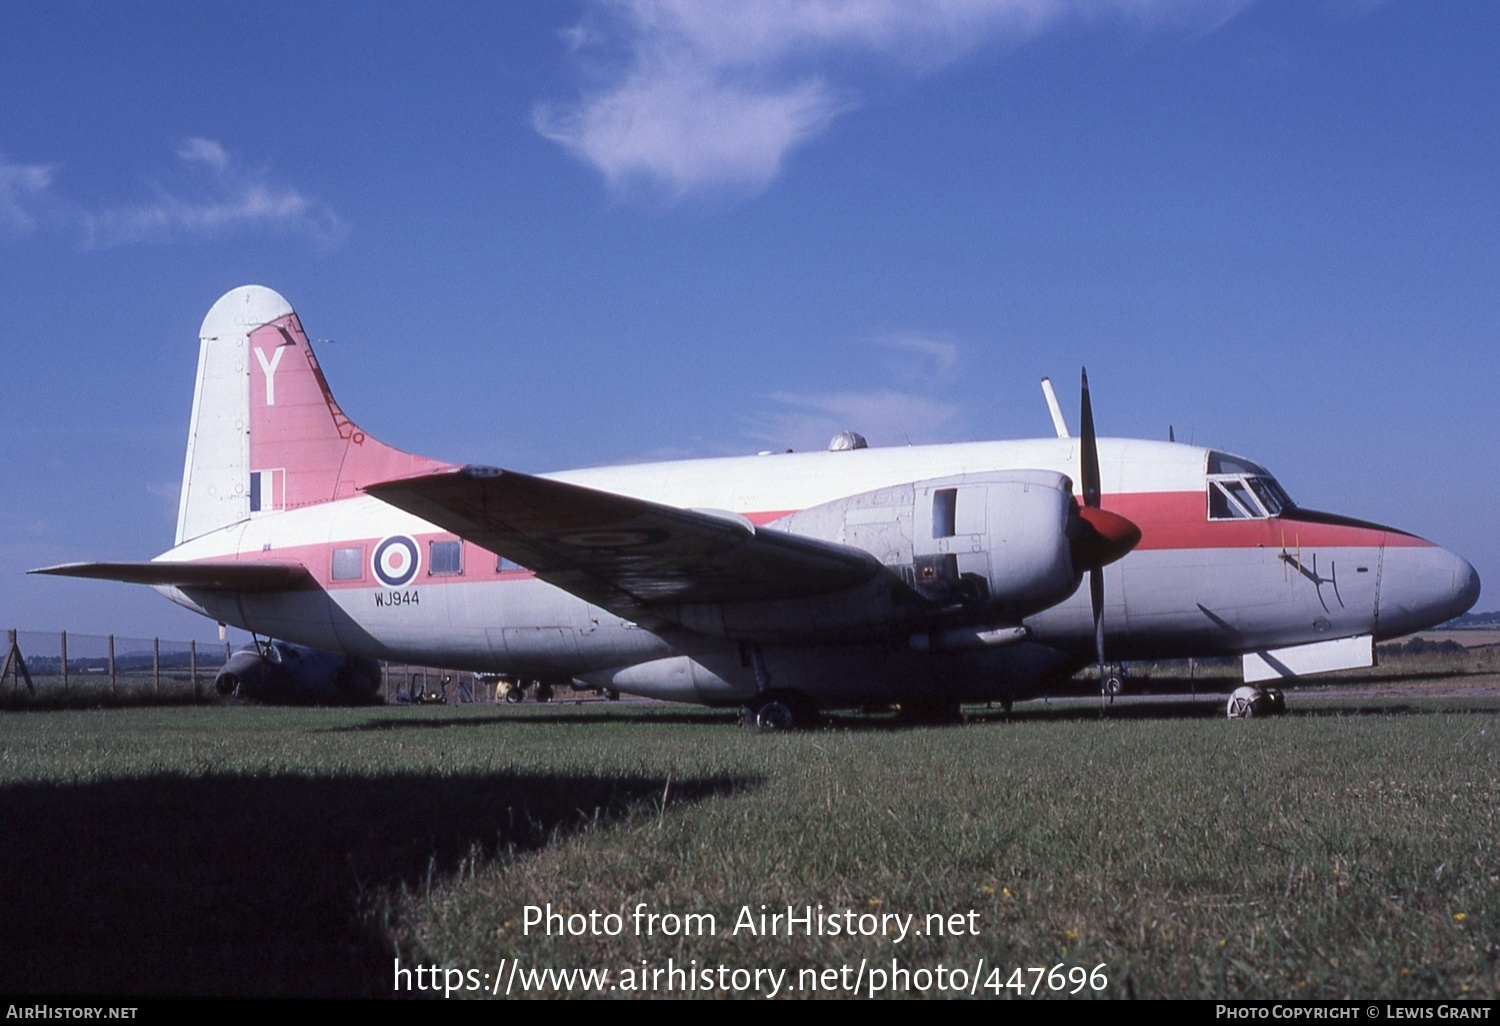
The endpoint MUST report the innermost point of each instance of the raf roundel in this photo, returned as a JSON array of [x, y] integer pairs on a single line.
[[395, 561]]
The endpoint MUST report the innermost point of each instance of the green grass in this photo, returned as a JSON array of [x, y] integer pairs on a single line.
[[1347, 850]]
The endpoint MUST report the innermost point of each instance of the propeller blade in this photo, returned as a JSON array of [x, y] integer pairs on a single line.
[[1102, 537], [1096, 597], [1088, 456]]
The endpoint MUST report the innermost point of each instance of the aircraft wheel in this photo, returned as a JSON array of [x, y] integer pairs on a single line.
[[1114, 685], [1241, 704], [543, 693], [1248, 702], [516, 695], [227, 685], [775, 715], [784, 711]]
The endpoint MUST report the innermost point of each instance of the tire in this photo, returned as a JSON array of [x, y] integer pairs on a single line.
[[1245, 703], [774, 714]]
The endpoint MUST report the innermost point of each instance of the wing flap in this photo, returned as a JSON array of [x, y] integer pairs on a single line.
[[623, 553], [213, 576]]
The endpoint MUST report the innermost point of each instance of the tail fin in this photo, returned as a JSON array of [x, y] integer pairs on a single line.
[[266, 433]]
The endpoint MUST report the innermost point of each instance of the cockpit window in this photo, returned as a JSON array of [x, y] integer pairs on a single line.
[[1241, 490], [1270, 494], [1223, 463]]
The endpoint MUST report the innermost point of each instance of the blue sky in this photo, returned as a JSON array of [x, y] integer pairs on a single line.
[[551, 235]]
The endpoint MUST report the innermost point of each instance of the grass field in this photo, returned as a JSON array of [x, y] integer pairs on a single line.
[[1349, 849]]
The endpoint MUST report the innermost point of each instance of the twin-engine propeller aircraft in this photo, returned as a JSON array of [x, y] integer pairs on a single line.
[[925, 576]]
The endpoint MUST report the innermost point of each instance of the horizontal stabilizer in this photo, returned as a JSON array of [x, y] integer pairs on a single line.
[[621, 553], [223, 576]]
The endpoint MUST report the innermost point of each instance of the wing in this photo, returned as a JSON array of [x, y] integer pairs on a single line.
[[214, 576], [625, 554]]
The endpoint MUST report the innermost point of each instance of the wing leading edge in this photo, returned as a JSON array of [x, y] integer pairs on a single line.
[[621, 553]]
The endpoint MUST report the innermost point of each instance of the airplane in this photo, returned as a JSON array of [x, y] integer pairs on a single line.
[[923, 577]]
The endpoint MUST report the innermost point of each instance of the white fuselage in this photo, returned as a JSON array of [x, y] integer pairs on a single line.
[[1193, 586]]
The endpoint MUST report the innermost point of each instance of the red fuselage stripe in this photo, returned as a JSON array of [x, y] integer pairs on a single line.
[[1168, 520]]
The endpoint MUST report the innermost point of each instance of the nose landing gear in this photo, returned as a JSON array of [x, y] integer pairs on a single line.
[[1247, 702]]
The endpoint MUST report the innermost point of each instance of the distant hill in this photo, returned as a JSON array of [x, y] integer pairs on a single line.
[[1490, 619]]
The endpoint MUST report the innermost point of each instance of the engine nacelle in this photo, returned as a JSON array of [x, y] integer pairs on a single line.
[[280, 672], [988, 548]]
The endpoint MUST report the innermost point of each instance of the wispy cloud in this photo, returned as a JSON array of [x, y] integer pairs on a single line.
[[224, 197], [915, 362], [918, 356], [211, 195], [807, 420], [22, 191], [205, 151], [696, 95]]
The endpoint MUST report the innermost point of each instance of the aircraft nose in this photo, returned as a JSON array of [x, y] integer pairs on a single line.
[[1423, 586], [1465, 587]]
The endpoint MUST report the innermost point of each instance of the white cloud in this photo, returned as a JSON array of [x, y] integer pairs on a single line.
[[229, 198], [919, 355], [206, 151], [214, 196], [700, 95], [22, 189], [682, 129], [886, 417]]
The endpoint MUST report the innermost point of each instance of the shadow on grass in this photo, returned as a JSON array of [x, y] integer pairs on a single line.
[[231, 885], [615, 714], [1205, 707], [1351, 707]]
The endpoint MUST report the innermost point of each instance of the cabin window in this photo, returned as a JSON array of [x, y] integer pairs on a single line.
[[507, 566], [945, 513], [348, 564], [445, 557]]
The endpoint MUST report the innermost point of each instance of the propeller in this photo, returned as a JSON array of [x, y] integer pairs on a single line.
[[1102, 536]]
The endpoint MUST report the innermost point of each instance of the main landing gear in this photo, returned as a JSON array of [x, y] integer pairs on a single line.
[[514, 691], [1249, 701]]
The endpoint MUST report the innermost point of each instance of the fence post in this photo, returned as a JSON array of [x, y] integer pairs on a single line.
[[65, 661], [112, 695], [14, 660], [156, 664], [193, 667]]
